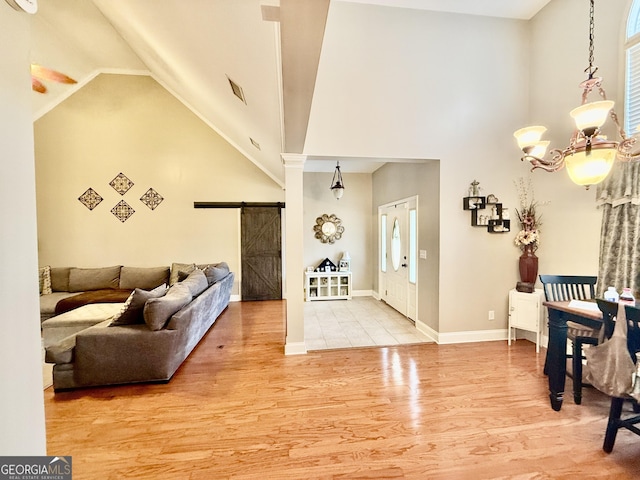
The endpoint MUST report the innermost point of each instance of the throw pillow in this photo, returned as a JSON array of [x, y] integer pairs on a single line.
[[196, 282], [84, 279], [44, 275], [60, 279], [177, 269], [158, 311], [133, 310], [216, 272], [145, 278]]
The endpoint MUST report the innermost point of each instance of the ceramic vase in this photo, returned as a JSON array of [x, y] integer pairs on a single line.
[[528, 265]]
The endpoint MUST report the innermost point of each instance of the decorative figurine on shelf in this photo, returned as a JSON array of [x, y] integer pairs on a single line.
[[345, 262], [474, 189], [491, 198], [326, 266]]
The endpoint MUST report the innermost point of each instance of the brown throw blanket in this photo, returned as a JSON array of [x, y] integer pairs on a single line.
[[108, 295]]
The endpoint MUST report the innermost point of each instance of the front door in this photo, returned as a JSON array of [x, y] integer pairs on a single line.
[[261, 253], [394, 290]]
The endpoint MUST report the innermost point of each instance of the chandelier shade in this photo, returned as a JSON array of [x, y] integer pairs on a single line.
[[337, 185], [591, 116], [529, 135], [589, 156], [590, 167]]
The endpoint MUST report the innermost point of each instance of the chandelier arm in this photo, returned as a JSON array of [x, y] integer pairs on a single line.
[[553, 165], [626, 151]]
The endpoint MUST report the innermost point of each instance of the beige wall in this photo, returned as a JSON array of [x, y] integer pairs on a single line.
[[419, 84], [130, 124], [354, 209], [396, 181], [22, 422]]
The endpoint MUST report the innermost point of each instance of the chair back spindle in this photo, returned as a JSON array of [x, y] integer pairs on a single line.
[[563, 288]]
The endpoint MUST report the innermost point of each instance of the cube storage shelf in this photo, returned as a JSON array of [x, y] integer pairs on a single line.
[[328, 286]]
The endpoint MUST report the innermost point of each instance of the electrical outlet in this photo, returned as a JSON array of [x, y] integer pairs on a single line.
[[492, 315]]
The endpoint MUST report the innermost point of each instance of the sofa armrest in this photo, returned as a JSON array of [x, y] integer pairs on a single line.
[[63, 350], [124, 354]]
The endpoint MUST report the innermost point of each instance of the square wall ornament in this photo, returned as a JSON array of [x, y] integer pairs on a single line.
[[90, 198], [122, 211], [151, 199], [121, 183]]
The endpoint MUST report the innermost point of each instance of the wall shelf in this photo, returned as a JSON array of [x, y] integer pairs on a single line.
[[493, 220]]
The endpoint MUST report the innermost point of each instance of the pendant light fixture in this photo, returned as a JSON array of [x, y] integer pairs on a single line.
[[589, 155], [337, 186]]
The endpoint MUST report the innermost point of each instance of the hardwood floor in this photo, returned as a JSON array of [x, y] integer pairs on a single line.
[[238, 408]]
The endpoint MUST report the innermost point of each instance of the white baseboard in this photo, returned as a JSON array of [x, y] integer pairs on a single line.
[[472, 336], [361, 293], [295, 348], [427, 330], [235, 298]]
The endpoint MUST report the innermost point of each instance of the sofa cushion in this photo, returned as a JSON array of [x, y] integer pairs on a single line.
[[180, 268], [196, 282], [83, 279], [158, 311], [216, 272], [143, 278], [44, 275], [60, 279], [133, 308]]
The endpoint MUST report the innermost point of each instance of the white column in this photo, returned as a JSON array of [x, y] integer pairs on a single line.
[[22, 420], [294, 252]]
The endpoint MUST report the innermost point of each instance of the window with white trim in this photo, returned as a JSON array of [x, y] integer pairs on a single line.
[[632, 84]]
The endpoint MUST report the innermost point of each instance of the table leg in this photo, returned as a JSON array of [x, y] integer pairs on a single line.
[[556, 363]]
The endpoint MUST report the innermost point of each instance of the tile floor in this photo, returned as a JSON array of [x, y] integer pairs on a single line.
[[359, 322]]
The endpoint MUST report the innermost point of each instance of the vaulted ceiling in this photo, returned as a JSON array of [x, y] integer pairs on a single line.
[[268, 48]]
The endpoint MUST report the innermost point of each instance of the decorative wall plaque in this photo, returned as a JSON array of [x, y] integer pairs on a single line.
[[122, 211], [151, 199], [90, 199], [121, 183]]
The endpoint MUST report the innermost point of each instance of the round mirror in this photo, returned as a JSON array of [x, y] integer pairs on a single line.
[[395, 245], [328, 228]]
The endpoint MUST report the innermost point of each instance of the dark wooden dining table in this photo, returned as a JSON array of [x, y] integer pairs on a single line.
[[556, 363]]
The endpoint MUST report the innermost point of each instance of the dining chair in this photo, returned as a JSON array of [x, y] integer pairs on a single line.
[[563, 288], [616, 422]]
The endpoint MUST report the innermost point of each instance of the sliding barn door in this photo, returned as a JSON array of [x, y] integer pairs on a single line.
[[261, 253]]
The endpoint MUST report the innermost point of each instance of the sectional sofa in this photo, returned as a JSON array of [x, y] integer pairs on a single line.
[[151, 335]]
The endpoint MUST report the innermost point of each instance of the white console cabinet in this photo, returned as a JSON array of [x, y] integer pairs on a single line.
[[526, 312], [328, 286]]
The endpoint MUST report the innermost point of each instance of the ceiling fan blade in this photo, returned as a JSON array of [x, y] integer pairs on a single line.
[[44, 73], [37, 86]]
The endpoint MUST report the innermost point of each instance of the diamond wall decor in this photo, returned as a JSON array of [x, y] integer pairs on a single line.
[[151, 199], [121, 183], [90, 199], [122, 211]]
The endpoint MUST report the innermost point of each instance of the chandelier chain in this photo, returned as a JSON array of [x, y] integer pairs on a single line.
[[591, 69]]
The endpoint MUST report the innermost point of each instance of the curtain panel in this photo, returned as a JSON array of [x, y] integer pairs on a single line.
[[619, 198]]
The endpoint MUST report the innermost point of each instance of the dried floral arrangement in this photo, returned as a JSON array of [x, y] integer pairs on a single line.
[[529, 218]]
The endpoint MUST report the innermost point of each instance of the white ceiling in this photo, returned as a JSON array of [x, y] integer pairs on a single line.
[[193, 47]]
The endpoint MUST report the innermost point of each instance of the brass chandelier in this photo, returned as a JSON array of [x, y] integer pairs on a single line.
[[589, 156]]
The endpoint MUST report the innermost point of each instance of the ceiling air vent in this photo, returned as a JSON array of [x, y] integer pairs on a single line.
[[237, 90], [254, 143]]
